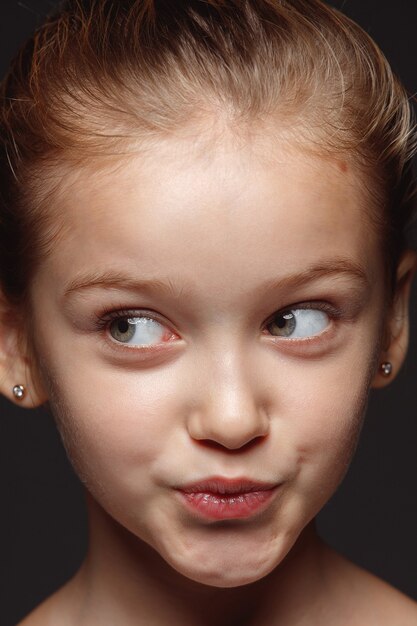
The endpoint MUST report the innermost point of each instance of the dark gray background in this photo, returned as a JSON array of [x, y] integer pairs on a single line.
[[373, 516]]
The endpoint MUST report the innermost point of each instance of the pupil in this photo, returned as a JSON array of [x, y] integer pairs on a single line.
[[123, 326], [282, 320]]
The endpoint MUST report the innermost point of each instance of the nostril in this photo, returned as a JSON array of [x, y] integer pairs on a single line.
[[215, 445]]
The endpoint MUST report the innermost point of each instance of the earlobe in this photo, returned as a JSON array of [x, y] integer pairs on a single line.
[[19, 386], [17, 382], [394, 348]]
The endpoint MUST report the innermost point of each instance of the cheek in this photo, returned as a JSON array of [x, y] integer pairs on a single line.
[[326, 426], [116, 426]]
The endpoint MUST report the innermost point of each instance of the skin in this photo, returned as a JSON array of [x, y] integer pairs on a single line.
[[234, 237]]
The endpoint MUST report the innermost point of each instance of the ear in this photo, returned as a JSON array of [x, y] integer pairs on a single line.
[[17, 366], [394, 348]]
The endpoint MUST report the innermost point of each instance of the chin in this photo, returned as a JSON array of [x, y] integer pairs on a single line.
[[226, 567], [235, 577]]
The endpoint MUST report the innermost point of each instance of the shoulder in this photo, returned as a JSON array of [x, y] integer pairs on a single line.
[[387, 606], [42, 615], [369, 600], [59, 609], [46, 614]]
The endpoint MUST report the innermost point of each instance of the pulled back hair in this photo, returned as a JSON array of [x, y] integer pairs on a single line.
[[103, 73]]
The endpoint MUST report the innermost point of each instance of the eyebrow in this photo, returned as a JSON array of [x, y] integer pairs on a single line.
[[332, 268], [117, 280]]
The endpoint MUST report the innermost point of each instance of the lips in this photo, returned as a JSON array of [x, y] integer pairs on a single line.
[[219, 498]]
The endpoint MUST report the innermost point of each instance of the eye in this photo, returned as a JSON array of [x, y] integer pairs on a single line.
[[298, 323], [139, 331]]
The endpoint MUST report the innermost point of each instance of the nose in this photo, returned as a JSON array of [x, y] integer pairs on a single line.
[[229, 411]]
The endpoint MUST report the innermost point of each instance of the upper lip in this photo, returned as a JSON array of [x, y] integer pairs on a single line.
[[220, 485]]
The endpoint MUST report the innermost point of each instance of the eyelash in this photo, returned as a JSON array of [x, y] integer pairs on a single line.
[[333, 312], [103, 320]]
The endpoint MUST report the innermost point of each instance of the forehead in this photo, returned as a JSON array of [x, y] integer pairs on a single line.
[[193, 205]]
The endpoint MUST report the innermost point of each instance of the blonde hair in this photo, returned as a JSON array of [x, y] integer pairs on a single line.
[[102, 72]]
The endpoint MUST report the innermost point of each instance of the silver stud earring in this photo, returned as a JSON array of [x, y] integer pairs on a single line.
[[19, 391], [386, 368]]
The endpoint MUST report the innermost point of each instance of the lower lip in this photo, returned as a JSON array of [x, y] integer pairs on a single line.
[[213, 506]]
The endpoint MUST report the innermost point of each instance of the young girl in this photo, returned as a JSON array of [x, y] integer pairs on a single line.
[[203, 274]]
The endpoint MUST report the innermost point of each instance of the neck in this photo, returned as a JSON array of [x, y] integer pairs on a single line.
[[123, 578]]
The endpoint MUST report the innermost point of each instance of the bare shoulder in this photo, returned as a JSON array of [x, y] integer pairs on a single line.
[[50, 613], [57, 610], [369, 600], [40, 615]]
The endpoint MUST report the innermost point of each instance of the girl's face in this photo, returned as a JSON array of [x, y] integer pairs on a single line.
[[209, 322]]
